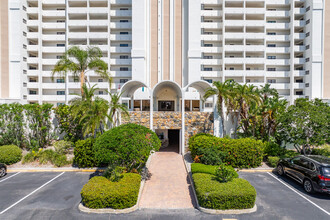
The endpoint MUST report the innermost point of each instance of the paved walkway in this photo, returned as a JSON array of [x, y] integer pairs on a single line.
[[168, 187]]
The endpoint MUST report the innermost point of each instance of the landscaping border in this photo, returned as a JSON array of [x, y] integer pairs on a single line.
[[214, 211], [83, 208]]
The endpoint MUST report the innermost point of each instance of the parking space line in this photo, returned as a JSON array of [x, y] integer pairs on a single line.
[[31, 193], [10, 177], [275, 177]]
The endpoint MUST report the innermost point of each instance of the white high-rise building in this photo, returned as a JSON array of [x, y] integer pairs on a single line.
[[163, 54]]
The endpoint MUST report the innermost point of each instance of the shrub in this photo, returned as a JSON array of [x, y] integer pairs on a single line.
[[323, 150], [100, 192], [236, 194], [84, 153], [273, 149], [126, 146], [10, 154], [114, 174], [211, 156], [62, 147], [272, 161], [245, 152], [45, 156], [225, 173], [201, 168]]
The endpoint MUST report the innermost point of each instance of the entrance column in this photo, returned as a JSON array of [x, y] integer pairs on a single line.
[[151, 113], [181, 151]]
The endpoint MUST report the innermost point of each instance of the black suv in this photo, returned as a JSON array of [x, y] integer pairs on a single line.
[[311, 171], [3, 170]]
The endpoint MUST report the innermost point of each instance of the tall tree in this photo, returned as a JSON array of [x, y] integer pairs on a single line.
[[222, 90], [116, 109], [305, 124], [79, 62]]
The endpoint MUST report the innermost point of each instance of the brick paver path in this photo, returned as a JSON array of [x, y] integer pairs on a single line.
[[168, 187]]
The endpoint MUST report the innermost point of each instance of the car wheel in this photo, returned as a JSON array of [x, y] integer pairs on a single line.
[[280, 170], [2, 171], [308, 186]]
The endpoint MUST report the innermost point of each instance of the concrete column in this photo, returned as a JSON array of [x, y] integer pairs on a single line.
[[151, 114], [181, 151]]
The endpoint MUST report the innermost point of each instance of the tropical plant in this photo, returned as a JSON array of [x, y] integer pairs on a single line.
[[79, 62], [116, 109], [223, 92]]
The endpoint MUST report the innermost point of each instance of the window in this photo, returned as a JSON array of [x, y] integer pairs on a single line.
[[307, 34], [208, 80], [24, 33], [271, 33], [165, 105], [231, 68], [24, 84], [99, 80], [60, 45], [60, 92], [123, 21], [208, 105], [60, 81], [123, 33], [248, 68], [308, 8], [307, 59], [24, 21], [123, 81], [100, 92], [271, 69], [307, 85], [208, 32], [59, 57], [304, 163], [32, 80], [308, 21], [299, 93], [24, 59], [123, 69], [60, 21], [32, 92], [208, 69], [296, 161], [24, 8], [307, 47], [312, 166], [271, 21], [24, 46], [24, 71], [123, 57], [208, 45], [248, 80], [307, 72], [271, 45], [271, 80], [123, 45], [208, 57], [123, 9], [271, 57], [60, 33]]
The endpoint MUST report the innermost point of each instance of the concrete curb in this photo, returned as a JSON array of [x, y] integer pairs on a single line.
[[83, 208], [30, 170], [215, 211], [256, 170]]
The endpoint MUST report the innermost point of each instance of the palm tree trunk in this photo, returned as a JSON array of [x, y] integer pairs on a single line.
[[82, 81]]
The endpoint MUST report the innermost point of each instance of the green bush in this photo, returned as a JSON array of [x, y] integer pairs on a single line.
[[62, 147], [323, 150], [45, 156], [225, 173], [100, 192], [201, 168], [84, 153], [211, 194], [273, 149], [211, 156], [126, 146], [245, 152], [10, 154], [272, 161]]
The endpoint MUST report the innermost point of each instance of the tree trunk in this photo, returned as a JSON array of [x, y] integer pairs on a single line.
[[82, 81]]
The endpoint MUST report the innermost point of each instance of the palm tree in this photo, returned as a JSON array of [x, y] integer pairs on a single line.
[[116, 108], [223, 92], [84, 101], [79, 62]]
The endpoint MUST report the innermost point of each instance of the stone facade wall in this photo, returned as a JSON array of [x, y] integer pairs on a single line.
[[195, 122]]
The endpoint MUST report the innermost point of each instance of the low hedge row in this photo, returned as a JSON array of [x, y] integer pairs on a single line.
[[208, 169], [235, 194], [10, 154], [245, 152], [100, 192]]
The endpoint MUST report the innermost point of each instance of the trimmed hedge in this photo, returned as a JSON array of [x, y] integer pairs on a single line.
[[10, 154], [100, 192], [128, 146], [245, 152], [208, 169], [84, 153], [272, 161], [211, 194]]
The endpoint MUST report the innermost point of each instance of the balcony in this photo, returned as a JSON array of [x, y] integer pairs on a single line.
[[121, 13], [299, 48], [55, 85], [46, 49], [280, 85], [278, 13], [211, 37], [33, 72], [278, 25], [234, 73], [299, 36], [127, 37], [300, 10], [31, 10], [121, 25], [33, 85], [49, 61], [32, 60], [53, 25], [277, 49], [53, 37], [278, 73], [77, 10], [299, 61], [298, 85], [32, 47], [53, 13], [277, 61], [120, 49], [277, 37], [211, 13], [255, 60], [299, 73], [121, 73], [211, 73], [211, 25], [211, 61], [32, 35], [120, 62], [32, 23], [300, 23], [97, 23], [121, 2], [211, 49], [234, 60]]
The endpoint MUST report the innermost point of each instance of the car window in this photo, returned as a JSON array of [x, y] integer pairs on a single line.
[[312, 166], [296, 161], [304, 163]]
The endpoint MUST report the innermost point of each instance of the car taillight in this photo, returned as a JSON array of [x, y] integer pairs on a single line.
[[323, 178]]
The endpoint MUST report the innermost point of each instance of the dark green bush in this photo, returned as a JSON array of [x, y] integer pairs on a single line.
[[126, 146], [272, 161], [201, 168], [211, 194], [84, 153], [245, 152], [273, 149], [10, 154], [211, 156], [323, 150], [100, 192]]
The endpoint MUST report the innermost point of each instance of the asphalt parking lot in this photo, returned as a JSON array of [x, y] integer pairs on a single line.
[[57, 195]]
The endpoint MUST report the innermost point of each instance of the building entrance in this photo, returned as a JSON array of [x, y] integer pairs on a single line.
[[170, 139]]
